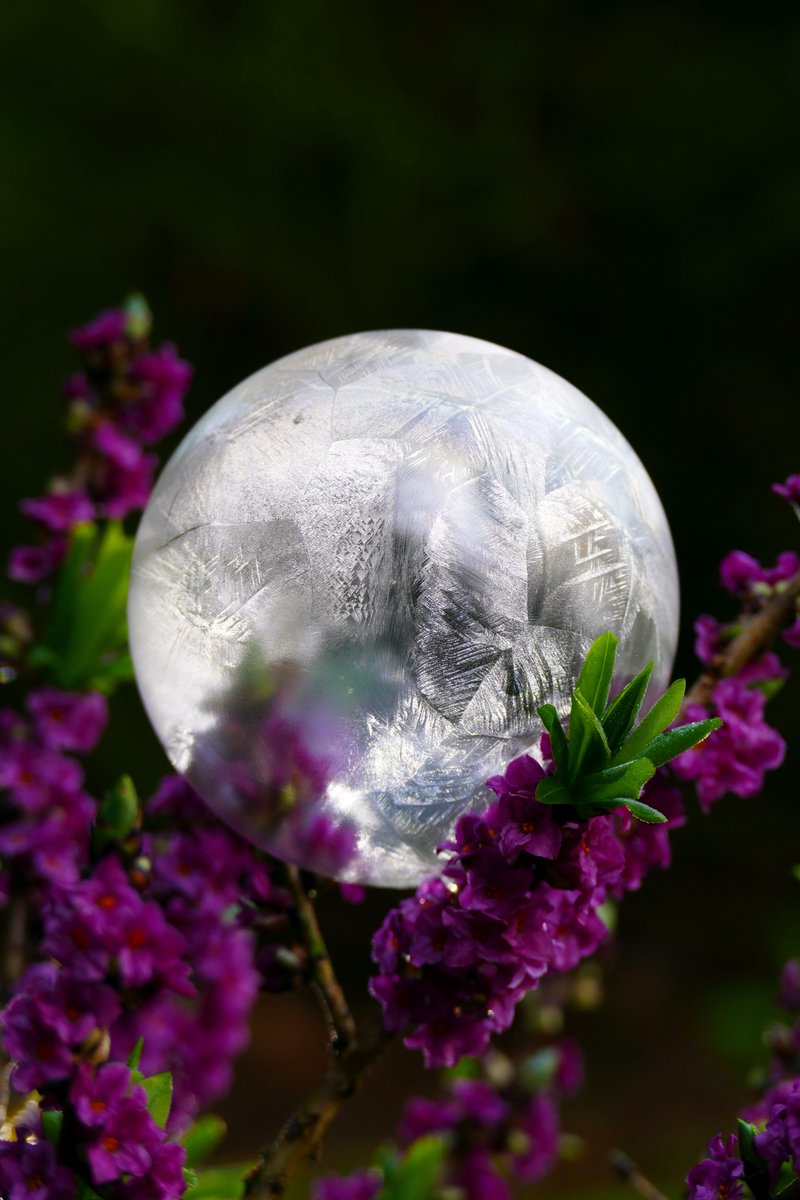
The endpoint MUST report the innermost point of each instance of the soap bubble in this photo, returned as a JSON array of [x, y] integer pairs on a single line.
[[361, 573]]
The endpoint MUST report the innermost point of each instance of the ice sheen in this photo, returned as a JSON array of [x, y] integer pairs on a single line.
[[394, 546]]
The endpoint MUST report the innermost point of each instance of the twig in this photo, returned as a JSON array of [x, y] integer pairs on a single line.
[[339, 1019], [626, 1169], [758, 634], [304, 1129]]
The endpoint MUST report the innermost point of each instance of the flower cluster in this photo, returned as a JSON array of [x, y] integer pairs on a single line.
[[126, 397], [736, 757], [521, 895], [46, 812], [489, 1131], [772, 1125]]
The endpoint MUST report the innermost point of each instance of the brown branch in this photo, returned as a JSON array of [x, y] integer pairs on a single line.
[[626, 1169], [303, 1131], [757, 635], [341, 1026]]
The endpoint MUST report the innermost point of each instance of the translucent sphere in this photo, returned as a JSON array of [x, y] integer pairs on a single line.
[[361, 573]]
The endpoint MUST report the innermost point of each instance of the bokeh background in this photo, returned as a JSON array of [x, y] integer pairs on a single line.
[[612, 189]]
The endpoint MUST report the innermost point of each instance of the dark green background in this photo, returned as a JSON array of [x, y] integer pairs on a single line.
[[610, 188]]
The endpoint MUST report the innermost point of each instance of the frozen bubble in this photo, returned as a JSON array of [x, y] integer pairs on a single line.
[[363, 570]]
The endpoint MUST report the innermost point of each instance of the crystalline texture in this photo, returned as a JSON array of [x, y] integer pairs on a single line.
[[363, 570]]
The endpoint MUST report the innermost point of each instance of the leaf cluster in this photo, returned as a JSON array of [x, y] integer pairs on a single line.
[[85, 644], [606, 758]]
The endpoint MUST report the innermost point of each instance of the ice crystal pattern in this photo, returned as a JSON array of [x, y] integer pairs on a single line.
[[366, 566]]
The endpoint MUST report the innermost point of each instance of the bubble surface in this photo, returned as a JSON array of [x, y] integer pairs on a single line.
[[363, 570]]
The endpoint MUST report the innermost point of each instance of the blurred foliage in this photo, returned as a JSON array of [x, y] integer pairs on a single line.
[[611, 189]]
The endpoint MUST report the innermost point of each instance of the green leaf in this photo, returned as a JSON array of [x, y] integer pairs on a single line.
[[588, 746], [219, 1183], [159, 1096], [553, 791], [756, 1170], [616, 783], [52, 1120], [85, 1192], [672, 743], [135, 1056], [644, 812], [87, 634], [120, 811], [558, 739], [203, 1137], [596, 674], [621, 714], [417, 1174], [662, 714]]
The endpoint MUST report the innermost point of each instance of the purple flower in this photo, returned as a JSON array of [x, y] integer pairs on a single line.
[[477, 1101], [789, 986], [721, 1174], [648, 846], [124, 1143], [525, 825], [30, 1171], [127, 489], [591, 856], [96, 1095], [492, 886], [476, 1178], [423, 1116], [34, 775], [164, 1180], [362, 1185], [68, 720], [735, 757], [59, 511], [108, 326], [539, 1125], [708, 639], [115, 446], [792, 635], [163, 380], [739, 571], [42, 1054], [790, 490], [31, 564]]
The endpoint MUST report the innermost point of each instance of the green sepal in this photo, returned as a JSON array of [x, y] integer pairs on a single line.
[[662, 714], [588, 746], [52, 1120], [159, 1096], [756, 1170], [597, 672], [621, 714], [201, 1138], [558, 739], [675, 741]]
